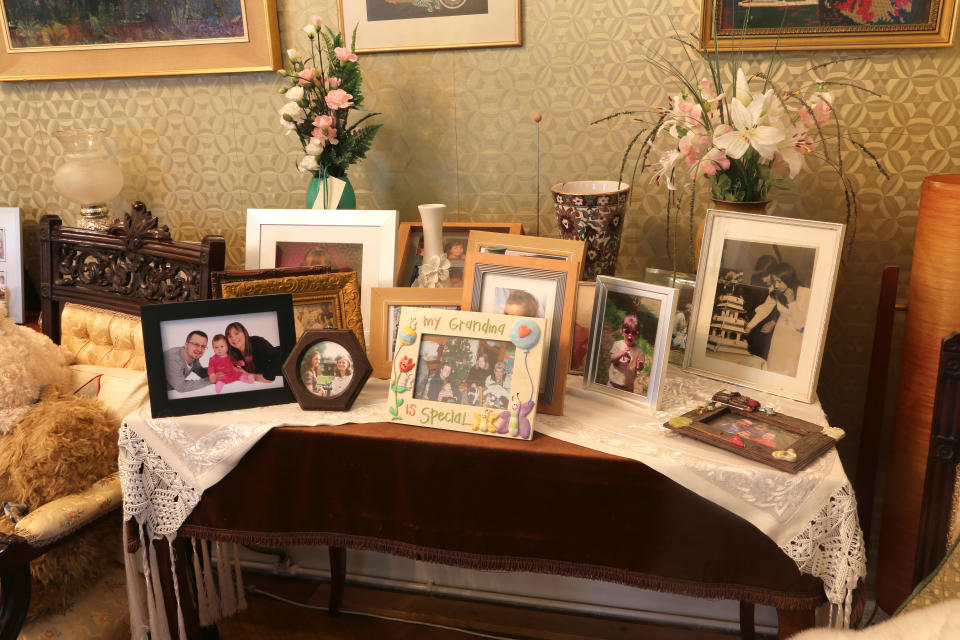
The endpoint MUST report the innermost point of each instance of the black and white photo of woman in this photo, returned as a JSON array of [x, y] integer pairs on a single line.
[[790, 301]]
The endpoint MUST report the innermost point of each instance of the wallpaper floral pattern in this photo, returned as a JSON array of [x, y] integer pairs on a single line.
[[458, 129]]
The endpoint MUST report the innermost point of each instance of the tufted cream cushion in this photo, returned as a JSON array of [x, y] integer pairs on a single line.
[[101, 337], [62, 516]]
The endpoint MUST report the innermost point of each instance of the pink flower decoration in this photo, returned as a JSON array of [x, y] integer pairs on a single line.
[[345, 55], [316, 20], [333, 82], [306, 76], [338, 99], [323, 122]]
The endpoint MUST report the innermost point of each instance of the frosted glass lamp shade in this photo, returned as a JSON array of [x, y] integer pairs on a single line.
[[87, 176]]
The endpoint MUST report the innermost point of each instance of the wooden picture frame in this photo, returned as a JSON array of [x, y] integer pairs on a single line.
[[530, 246], [251, 42], [11, 263], [791, 444], [309, 385], [410, 236], [447, 24], [385, 302], [436, 353], [321, 300], [355, 240], [169, 329], [582, 321], [647, 347], [744, 332], [549, 284], [809, 24]]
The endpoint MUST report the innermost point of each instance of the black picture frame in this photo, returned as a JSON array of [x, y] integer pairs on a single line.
[[154, 316]]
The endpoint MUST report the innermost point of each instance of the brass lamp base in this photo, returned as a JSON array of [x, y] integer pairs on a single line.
[[95, 218]]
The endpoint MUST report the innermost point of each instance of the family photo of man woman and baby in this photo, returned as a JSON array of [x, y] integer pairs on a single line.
[[228, 354]]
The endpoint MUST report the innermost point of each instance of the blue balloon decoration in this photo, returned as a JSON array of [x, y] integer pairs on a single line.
[[530, 337]]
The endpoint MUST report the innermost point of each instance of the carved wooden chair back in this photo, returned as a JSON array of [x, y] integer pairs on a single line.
[[133, 263]]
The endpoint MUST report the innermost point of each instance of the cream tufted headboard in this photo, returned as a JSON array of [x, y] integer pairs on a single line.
[[106, 338]]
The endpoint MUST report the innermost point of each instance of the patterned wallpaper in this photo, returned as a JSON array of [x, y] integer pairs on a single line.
[[200, 150]]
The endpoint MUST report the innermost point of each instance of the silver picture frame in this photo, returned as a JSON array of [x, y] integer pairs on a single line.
[[736, 294], [658, 305]]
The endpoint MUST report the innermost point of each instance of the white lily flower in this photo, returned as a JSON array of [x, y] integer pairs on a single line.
[[796, 143], [294, 94], [748, 132]]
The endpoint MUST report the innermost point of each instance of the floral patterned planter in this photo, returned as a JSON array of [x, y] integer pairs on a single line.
[[592, 211]]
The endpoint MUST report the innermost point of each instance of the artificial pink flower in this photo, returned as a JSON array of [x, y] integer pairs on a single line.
[[338, 99], [306, 76], [323, 122], [333, 82], [345, 55], [316, 20]]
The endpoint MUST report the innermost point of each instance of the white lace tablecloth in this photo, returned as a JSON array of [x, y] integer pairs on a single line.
[[166, 464]]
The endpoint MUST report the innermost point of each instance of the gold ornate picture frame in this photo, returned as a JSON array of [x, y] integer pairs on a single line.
[[247, 40], [386, 305], [766, 25], [438, 24], [320, 300]]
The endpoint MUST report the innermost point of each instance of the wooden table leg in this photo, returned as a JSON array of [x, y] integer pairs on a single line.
[[747, 630], [338, 576], [792, 622]]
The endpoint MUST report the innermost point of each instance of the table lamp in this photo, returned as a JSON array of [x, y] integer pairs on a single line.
[[87, 176]]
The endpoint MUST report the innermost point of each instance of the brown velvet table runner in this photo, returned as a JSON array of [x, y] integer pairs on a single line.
[[493, 503]]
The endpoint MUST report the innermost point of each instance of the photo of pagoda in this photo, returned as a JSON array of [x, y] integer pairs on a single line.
[[728, 321]]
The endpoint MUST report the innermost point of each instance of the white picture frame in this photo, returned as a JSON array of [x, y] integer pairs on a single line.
[[11, 262], [655, 307], [375, 232], [751, 265]]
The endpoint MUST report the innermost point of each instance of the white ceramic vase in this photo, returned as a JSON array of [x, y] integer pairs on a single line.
[[435, 269]]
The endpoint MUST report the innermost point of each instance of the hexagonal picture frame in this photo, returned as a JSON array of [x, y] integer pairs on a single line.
[[327, 369]]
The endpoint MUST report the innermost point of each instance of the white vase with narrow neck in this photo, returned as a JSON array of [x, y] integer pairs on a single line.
[[435, 269]]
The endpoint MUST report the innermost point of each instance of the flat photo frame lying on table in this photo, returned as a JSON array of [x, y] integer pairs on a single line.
[[11, 263], [778, 441], [345, 240], [321, 300], [455, 238], [327, 369], [217, 355], [629, 339], [762, 302], [532, 287], [436, 381], [386, 306]]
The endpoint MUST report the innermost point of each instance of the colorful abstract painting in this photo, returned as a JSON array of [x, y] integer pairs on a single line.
[[822, 24], [57, 23]]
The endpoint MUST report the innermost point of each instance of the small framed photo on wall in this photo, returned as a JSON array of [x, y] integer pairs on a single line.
[[217, 355], [629, 339], [762, 302], [535, 288], [11, 263]]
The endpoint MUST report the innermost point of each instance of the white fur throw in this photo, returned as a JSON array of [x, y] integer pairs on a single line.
[[937, 622]]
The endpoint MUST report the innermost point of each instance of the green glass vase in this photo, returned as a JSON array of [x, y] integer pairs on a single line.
[[348, 199]]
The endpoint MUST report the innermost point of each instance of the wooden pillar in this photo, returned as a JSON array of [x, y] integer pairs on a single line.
[[933, 313]]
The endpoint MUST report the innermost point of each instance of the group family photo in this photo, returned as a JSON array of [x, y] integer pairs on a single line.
[[466, 371], [219, 355]]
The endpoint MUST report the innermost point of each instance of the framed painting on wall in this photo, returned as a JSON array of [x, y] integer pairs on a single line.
[[117, 38], [759, 25], [402, 25]]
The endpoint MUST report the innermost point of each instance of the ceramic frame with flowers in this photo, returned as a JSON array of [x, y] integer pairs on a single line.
[[320, 98]]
